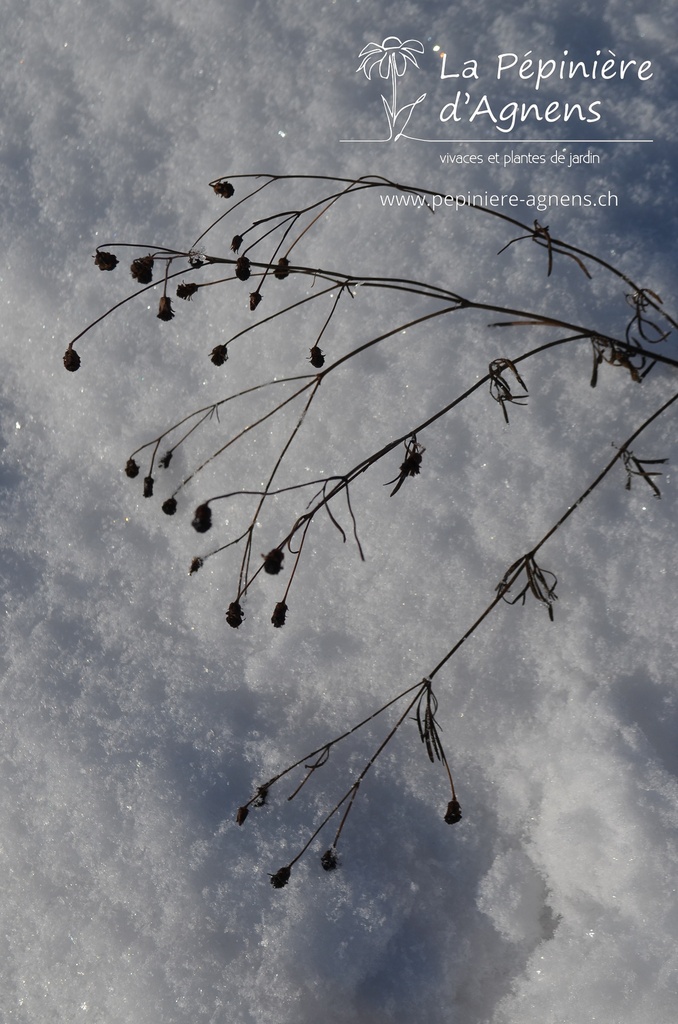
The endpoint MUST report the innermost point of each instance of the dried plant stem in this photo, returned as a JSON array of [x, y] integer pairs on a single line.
[[352, 792], [423, 689], [550, 532], [256, 249]]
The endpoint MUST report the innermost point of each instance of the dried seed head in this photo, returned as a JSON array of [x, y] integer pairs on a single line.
[[202, 518], [234, 615], [242, 268], [281, 878], [165, 311], [329, 859], [453, 812], [169, 507], [106, 260], [255, 299], [71, 360], [148, 487], [241, 815], [131, 468], [223, 189], [317, 358], [412, 464], [236, 243], [142, 269], [166, 459], [279, 613], [186, 291], [273, 561], [219, 355], [281, 271], [196, 564]]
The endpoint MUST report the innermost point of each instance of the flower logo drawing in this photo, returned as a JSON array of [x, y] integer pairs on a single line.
[[391, 58]]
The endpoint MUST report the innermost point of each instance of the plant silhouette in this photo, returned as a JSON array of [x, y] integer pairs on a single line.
[[268, 247]]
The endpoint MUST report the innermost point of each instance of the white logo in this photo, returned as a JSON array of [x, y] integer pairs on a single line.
[[391, 59]]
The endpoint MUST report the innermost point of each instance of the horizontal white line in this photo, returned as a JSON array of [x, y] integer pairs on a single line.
[[512, 142]]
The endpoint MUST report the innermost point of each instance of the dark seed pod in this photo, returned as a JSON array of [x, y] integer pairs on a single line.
[[234, 615], [273, 561], [202, 518], [106, 261], [279, 613], [196, 564], [142, 269], [219, 355], [329, 859], [169, 507], [453, 813], [71, 360], [412, 464], [148, 487], [316, 357], [165, 311], [281, 878], [236, 243], [223, 189], [186, 291], [255, 299], [242, 268], [166, 459], [281, 271], [131, 468], [241, 815]]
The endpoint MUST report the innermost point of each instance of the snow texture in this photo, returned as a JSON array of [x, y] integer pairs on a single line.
[[135, 722]]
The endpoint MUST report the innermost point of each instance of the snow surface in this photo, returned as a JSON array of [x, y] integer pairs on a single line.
[[135, 721]]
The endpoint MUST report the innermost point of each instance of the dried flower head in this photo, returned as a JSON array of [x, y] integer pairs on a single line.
[[197, 563], [241, 815], [148, 487], [165, 311], [202, 518], [131, 468], [282, 271], [169, 507], [411, 465], [242, 268], [281, 877], [223, 189], [234, 615], [255, 299], [166, 459], [329, 859], [236, 243], [279, 613], [105, 260], [142, 269], [186, 291], [273, 561], [71, 360], [453, 812], [317, 358], [219, 355]]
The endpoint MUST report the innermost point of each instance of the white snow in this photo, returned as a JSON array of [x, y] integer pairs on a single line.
[[135, 722]]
